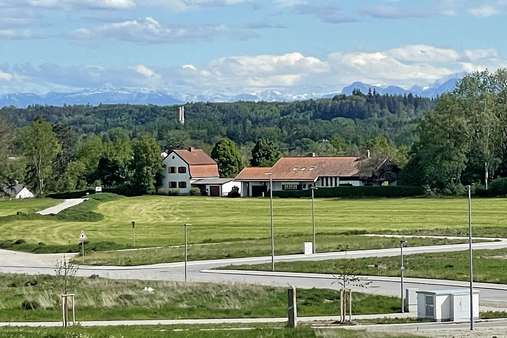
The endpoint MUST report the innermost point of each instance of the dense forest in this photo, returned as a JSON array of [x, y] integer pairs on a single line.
[[347, 122], [441, 144]]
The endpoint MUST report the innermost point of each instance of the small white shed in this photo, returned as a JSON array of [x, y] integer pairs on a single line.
[[446, 305]]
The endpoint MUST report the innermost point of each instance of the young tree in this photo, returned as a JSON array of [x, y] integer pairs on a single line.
[[40, 147], [265, 153], [146, 164], [228, 157]]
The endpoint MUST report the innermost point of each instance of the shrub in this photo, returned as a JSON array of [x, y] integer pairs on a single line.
[[234, 192], [29, 305], [496, 188], [195, 192], [173, 192], [357, 192]]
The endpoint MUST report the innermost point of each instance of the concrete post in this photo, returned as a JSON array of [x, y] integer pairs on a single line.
[[292, 308]]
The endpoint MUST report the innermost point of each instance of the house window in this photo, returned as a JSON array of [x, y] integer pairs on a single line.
[[289, 186], [173, 185], [172, 170], [182, 170], [182, 185]]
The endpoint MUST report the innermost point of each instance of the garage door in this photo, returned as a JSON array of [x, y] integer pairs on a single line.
[[214, 190]]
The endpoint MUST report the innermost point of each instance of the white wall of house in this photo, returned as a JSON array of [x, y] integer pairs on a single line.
[[24, 193], [176, 180]]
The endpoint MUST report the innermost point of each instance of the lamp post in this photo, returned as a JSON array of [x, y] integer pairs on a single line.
[[271, 221], [186, 225], [403, 244], [470, 258], [314, 248]]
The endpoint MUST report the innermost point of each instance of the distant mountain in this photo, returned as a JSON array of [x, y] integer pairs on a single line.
[[89, 97], [146, 96], [436, 89]]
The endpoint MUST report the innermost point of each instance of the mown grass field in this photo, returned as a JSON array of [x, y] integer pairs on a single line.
[[489, 266], [35, 298], [11, 207], [244, 223]]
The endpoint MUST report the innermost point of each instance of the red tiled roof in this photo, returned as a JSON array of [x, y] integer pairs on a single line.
[[202, 171], [305, 169], [195, 156], [200, 164], [253, 174]]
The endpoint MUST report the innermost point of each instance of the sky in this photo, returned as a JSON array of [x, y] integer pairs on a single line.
[[244, 46]]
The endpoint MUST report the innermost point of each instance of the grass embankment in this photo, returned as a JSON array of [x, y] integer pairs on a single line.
[[82, 213], [189, 332], [34, 298], [25, 206], [159, 220], [284, 245], [489, 266]]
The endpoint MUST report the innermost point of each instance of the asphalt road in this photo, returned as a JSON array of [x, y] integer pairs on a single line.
[[492, 295]]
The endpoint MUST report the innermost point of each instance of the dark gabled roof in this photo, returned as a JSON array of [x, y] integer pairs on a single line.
[[12, 190]]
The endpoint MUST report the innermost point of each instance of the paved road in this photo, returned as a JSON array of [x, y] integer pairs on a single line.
[[483, 328], [492, 295], [69, 203]]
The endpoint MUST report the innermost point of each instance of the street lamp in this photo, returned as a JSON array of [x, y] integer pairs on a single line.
[[470, 258], [271, 220], [403, 244], [186, 225], [314, 249]]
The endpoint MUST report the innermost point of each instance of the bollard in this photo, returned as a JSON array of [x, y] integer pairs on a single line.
[[292, 308]]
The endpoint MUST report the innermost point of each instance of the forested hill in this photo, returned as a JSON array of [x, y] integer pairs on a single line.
[[324, 126]]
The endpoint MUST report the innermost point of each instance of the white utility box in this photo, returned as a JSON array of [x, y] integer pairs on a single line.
[[446, 305], [308, 248]]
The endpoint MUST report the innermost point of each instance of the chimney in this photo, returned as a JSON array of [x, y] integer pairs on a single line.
[[368, 153], [313, 155], [191, 149]]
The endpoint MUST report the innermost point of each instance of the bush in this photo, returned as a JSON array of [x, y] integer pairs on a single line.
[[234, 192], [357, 192], [72, 194], [496, 188], [195, 192], [173, 192], [29, 305]]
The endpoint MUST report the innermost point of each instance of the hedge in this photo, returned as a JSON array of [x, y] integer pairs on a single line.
[[356, 192], [496, 188]]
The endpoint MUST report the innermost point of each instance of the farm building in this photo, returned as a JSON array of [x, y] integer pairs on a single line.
[[187, 168], [16, 191], [302, 173]]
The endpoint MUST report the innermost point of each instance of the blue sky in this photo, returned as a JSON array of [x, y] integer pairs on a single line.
[[239, 46]]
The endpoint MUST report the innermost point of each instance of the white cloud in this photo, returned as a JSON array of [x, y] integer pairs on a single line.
[[86, 4], [424, 53], [6, 76], [484, 11], [149, 30], [291, 72], [182, 5], [145, 71]]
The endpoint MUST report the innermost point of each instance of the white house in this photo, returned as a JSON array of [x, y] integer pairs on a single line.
[[182, 167], [302, 173], [16, 191]]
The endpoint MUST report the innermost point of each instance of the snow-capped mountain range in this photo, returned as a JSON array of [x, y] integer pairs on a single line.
[[143, 96]]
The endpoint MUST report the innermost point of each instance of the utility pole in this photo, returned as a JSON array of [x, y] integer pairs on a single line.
[[314, 247], [186, 225], [271, 221], [403, 244], [470, 258]]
